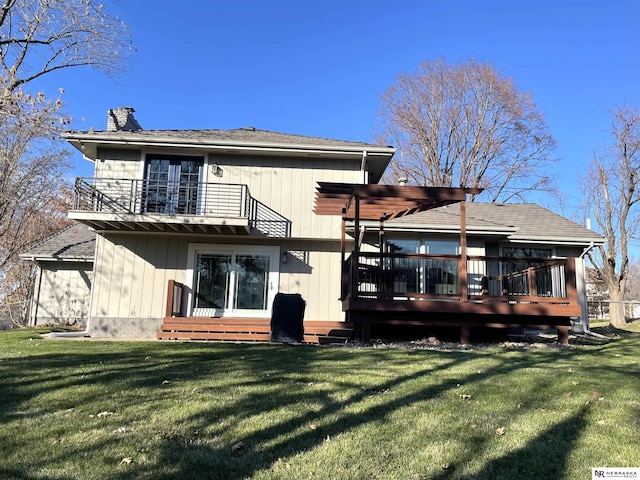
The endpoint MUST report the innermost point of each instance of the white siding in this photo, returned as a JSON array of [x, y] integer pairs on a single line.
[[118, 164], [62, 293], [132, 275]]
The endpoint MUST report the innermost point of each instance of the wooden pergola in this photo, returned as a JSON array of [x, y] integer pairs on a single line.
[[384, 304], [357, 202]]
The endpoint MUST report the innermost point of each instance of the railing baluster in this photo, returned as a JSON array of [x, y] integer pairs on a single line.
[[136, 196]]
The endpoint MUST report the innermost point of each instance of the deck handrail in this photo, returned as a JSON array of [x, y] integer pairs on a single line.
[[175, 295], [404, 276]]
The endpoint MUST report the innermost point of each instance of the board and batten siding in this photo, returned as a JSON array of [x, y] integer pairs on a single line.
[[117, 163], [286, 185], [62, 293], [132, 273]]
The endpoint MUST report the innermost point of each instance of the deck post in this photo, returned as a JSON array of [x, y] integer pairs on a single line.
[[355, 260], [344, 274], [365, 332], [531, 278], [383, 287], [563, 335], [465, 334], [570, 279], [462, 266], [169, 309]]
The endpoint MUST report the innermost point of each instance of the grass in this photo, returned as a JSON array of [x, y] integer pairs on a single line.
[[154, 410]]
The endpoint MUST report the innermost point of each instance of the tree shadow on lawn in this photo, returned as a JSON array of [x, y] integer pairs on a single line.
[[190, 457], [264, 447], [543, 457]]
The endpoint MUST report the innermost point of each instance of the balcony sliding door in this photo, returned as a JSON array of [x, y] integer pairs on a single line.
[[172, 184]]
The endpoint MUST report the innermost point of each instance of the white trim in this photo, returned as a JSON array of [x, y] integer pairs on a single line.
[[273, 280]]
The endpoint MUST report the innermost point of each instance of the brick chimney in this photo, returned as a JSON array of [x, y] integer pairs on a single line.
[[121, 119]]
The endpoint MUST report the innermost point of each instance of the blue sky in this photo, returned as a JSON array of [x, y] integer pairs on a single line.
[[318, 68]]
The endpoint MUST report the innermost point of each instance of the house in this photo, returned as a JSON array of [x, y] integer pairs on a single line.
[[196, 231], [225, 215]]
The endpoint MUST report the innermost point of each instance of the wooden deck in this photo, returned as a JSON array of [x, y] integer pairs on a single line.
[[450, 290], [247, 330]]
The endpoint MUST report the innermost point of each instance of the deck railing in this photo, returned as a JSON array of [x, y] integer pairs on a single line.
[[135, 196], [436, 277]]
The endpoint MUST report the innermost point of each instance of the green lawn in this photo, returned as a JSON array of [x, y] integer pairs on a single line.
[[152, 410]]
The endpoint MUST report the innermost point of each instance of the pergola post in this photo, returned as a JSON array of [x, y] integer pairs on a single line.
[[462, 265], [355, 257]]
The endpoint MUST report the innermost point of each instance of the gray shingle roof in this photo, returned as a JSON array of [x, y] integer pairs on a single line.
[[519, 221], [239, 135], [76, 242]]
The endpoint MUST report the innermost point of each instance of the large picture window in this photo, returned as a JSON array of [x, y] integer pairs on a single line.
[[233, 280]]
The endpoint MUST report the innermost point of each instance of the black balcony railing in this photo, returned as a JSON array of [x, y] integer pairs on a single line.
[[417, 276], [215, 200]]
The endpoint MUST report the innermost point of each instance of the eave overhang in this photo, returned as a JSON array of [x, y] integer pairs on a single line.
[[55, 258], [159, 223], [373, 158]]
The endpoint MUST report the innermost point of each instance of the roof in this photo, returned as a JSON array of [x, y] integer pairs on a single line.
[[383, 202], [519, 222], [374, 157], [74, 243]]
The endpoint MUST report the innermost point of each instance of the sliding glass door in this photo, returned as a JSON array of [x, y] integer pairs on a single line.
[[234, 281], [425, 275]]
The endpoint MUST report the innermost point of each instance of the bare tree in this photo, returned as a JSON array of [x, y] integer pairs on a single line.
[[32, 168], [466, 125], [612, 194], [39, 37]]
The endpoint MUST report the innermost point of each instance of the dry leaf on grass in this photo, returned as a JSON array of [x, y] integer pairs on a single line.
[[500, 431], [126, 461], [464, 396], [238, 446]]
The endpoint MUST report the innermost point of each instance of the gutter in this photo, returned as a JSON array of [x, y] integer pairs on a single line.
[[222, 144]]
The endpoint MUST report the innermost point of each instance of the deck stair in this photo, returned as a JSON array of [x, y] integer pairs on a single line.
[[248, 330]]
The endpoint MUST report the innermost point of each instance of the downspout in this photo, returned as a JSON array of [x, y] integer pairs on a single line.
[[587, 330], [34, 315], [363, 166]]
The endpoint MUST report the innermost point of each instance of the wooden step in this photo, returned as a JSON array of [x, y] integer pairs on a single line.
[[236, 337], [214, 327], [248, 330]]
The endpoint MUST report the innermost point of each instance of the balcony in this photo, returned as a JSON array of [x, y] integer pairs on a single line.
[[174, 206]]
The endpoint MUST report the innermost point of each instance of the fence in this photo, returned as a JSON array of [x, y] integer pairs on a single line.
[[599, 309]]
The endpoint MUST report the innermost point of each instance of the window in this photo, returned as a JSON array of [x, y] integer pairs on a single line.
[[233, 280], [517, 272], [172, 184], [425, 275]]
